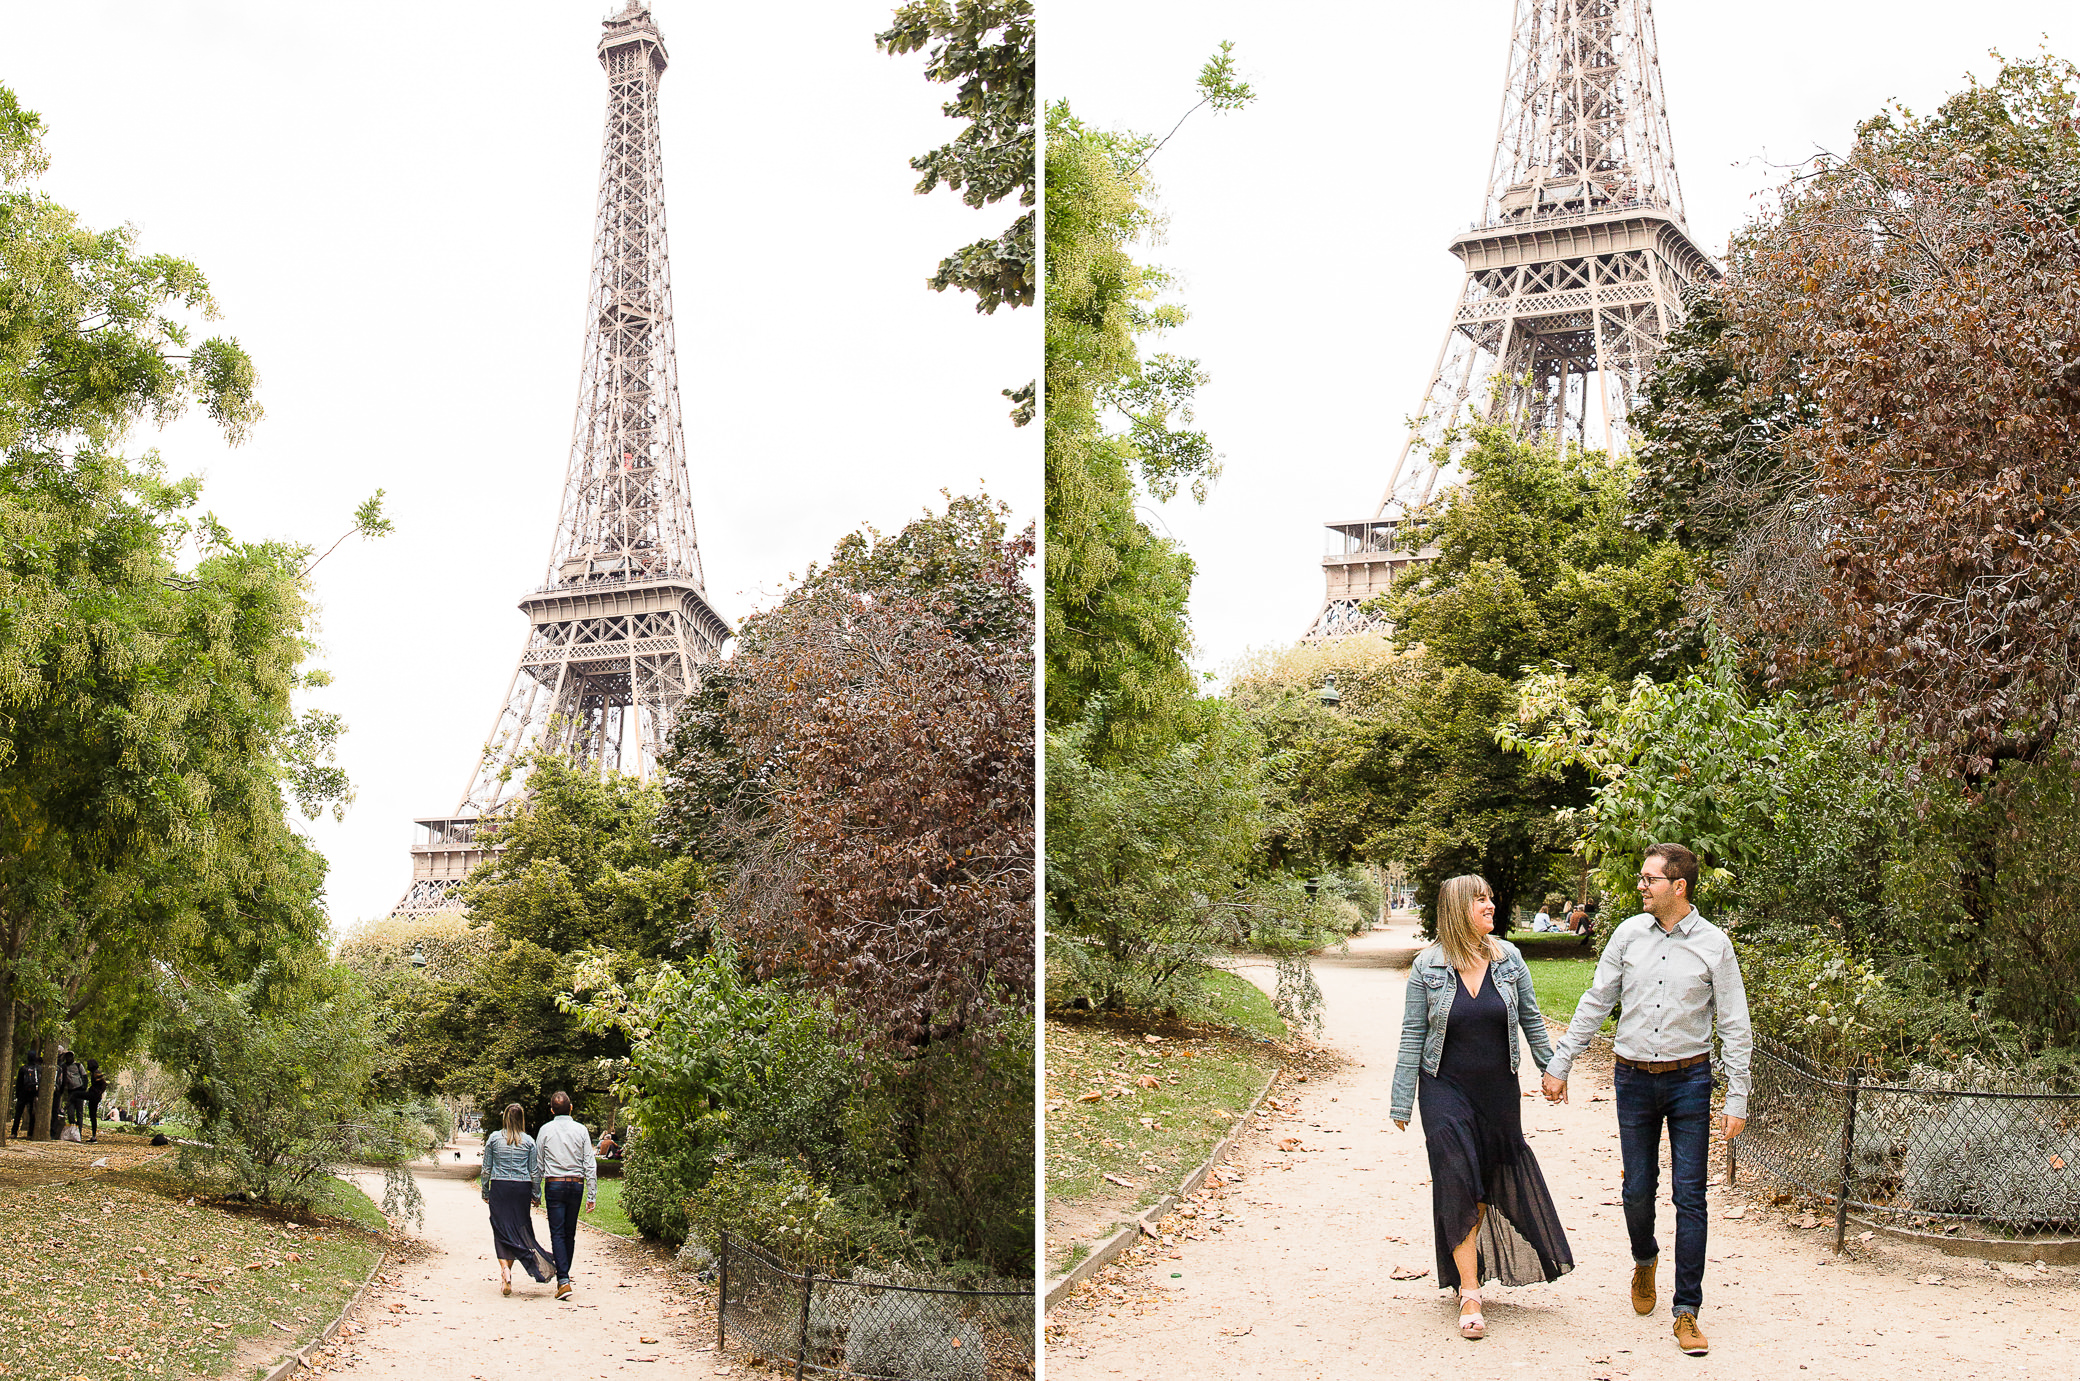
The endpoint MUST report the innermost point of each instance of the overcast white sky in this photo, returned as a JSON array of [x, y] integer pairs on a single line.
[[393, 203], [1310, 228]]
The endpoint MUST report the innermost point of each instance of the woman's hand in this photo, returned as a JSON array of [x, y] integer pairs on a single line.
[[1399, 1125]]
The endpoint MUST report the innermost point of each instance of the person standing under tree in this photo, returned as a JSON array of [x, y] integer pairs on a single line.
[[72, 1091], [97, 1088], [25, 1085], [1674, 976], [569, 1172]]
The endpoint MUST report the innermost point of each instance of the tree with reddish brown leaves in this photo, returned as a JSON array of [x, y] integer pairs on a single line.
[[1914, 538], [864, 772]]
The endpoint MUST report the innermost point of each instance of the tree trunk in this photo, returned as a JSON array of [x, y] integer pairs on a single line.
[[47, 1090], [7, 1069]]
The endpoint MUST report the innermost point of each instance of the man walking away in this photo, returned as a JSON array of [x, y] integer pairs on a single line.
[[569, 1173], [25, 1085], [1674, 975]]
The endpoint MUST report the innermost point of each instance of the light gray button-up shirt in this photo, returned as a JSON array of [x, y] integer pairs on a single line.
[[565, 1149], [1672, 986]]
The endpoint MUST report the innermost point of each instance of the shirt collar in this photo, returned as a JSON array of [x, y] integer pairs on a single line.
[[1686, 925]]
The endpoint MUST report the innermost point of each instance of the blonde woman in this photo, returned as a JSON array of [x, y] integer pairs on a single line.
[[511, 1163], [1468, 996]]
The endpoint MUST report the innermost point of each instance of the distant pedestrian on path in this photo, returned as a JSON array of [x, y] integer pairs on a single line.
[[1468, 996], [25, 1085], [1674, 975], [569, 1173], [510, 1161]]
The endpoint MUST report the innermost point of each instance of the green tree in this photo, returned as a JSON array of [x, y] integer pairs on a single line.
[[577, 864], [1118, 426], [988, 48], [1539, 561], [1116, 592], [148, 745]]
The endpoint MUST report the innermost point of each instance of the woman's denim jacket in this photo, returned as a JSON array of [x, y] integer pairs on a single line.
[[503, 1162], [1432, 983]]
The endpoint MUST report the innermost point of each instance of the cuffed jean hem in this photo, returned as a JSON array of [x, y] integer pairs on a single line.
[[1680, 1101]]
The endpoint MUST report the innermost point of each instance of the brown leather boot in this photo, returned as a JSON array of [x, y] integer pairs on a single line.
[[1643, 1286], [1688, 1338]]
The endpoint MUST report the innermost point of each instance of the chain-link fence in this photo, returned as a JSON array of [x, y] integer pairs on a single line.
[[1930, 1153], [870, 1325]]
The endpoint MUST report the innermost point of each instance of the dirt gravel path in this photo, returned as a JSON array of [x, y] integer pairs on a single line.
[[439, 1315], [1296, 1282]]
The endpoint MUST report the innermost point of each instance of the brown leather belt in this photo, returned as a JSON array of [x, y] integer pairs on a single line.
[[580, 1179], [1660, 1066]]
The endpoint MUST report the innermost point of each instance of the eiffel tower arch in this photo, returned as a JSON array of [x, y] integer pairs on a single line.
[[1573, 275], [620, 627]]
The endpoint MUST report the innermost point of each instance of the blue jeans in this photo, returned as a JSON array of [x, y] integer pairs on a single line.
[[563, 1200], [1683, 1099]]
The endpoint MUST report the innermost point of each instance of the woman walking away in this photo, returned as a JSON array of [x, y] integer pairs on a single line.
[[1467, 996], [508, 1180]]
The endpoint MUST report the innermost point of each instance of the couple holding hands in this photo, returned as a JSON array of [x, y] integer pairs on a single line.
[[1672, 974]]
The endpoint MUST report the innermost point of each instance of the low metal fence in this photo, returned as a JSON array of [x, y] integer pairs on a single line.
[[1928, 1153], [869, 1325]]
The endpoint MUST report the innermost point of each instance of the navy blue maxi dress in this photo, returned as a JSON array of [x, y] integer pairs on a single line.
[[1473, 1128]]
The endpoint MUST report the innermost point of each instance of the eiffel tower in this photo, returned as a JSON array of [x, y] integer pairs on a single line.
[[1575, 273], [621, 624]]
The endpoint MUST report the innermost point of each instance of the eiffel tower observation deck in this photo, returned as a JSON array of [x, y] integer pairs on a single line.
[[621, 625], [1574, 275]]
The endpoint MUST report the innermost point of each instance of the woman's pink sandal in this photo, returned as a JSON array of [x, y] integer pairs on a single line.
[[1472, 1326]]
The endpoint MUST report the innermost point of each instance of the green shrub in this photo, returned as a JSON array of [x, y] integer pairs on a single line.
[[279, 1075], [775, 1203], [955, 1128], [659, 1174]]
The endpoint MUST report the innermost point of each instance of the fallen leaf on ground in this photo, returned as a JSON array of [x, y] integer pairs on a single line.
[[1408, 1273], [1930, 1279], [1736, 1213], [646, 1340], [1123, 1183], [1146, 1081], [1090, 1097], [1806, 1220], [1289, 1143]]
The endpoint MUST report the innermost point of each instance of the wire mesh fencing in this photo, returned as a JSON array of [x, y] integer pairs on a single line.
[[1934, 1153], [868, 1324]]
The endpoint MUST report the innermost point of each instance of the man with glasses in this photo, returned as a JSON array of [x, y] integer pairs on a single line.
[[1673, 975]]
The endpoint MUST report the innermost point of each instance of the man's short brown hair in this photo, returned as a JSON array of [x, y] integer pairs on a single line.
[[1678, 862], [559, 1102]]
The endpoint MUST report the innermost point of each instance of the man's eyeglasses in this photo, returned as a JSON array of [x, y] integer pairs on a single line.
[[1649, 879]]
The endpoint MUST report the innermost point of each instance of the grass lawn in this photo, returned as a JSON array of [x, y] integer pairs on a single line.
[[608, 1216], [147, 1286], [1128, 1116], [1561, 967]]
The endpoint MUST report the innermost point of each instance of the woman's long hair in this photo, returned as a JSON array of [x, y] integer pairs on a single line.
[[1463, 945], [516, 1123]]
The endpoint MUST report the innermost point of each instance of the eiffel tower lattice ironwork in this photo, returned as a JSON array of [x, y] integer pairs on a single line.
[[621, 625], [1573, 275]]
